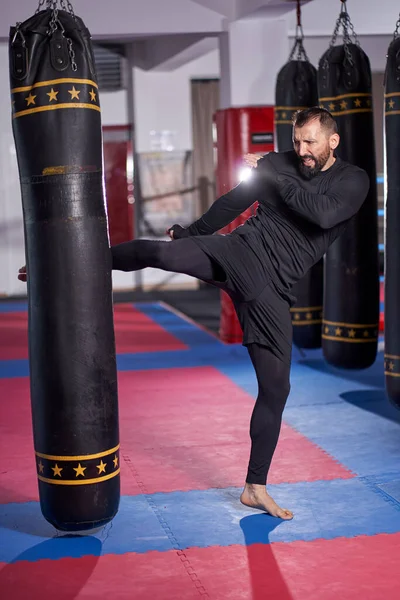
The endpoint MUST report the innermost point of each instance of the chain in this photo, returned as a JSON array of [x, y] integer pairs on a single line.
[[348, 38], [52, 4], [69, 8], [55, 23], [41, 3], [74, 66], [396, 31], [54, 18], [18, 33], [299, 38]]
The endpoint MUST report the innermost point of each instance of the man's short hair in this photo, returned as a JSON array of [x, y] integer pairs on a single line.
[[301, 117]]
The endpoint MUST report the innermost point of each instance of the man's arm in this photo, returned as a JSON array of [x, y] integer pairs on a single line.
[[224, 210], [327, 210]]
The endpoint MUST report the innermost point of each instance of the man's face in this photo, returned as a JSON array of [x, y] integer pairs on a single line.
[[314, 147]]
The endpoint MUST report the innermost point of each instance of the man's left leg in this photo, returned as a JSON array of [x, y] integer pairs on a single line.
[[273, 390]]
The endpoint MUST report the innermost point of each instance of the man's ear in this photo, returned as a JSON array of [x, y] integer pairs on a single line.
[[334, 141]]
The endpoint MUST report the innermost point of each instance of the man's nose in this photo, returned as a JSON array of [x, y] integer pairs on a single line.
[[303, 150]]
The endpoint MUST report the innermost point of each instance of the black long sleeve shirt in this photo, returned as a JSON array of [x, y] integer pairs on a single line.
[[297, 218]]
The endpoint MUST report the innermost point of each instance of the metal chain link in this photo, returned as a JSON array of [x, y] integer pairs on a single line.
[[52, 5], [18, 33], [396, 31], [41, 3], [74, 66], [348, 38], [68, 8], [299, 38], [55, 22]]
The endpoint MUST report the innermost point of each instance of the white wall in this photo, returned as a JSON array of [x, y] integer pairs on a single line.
[[162, 100], [367, 16]]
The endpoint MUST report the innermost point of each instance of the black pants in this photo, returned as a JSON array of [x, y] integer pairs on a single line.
[[184, 256]]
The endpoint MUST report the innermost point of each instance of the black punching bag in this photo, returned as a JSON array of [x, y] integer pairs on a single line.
[[296, 89], [351, 294], [392, 222], [73, 380]]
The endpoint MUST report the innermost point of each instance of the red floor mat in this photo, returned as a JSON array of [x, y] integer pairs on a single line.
[[13, 335], [134, 332], [349, 569], [345, 568], [150, 576], [181, 429]]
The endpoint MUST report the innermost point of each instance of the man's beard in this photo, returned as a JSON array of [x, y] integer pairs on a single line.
[[319, 163]]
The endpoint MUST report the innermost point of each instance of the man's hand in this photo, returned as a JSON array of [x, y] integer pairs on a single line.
[[177, 231], [22, 276], [251, 160]]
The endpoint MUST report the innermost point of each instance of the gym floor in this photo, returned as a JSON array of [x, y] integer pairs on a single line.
[[181, 533]]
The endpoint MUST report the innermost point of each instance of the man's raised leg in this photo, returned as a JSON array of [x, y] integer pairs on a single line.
[[179, 256]]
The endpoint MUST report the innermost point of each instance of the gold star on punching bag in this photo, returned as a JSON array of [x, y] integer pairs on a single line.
[[30, 99], [391, 104], [92, 96], [101, 467], [74, 93], [56, 470], [115, 461], [52, 95], [357, 102], [79, 470]]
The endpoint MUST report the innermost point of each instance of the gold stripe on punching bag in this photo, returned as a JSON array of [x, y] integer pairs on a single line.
[[348, 104], [78, 470], [350, 333], [306, 315], [392, 365], [283, 114], [57, 94], [351, 295], [392, 220], [72, 361]]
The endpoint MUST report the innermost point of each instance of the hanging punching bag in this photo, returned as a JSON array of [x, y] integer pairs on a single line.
[[73, 380], [351, 294], [392, 221], [296, 89]]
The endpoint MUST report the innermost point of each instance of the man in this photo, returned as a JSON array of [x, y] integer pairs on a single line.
[[306, 198]]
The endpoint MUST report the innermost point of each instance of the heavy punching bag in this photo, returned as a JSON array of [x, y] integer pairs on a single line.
[[351, 291], [392, 220], [296, 89], [73, 379]]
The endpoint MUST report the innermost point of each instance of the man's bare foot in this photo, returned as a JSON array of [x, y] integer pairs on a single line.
[[22, 273], [256, 496]]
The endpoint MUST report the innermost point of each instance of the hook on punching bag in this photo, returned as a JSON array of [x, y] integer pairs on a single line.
[[73, 378], [351, 294], [297, 89], [392, 220]]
